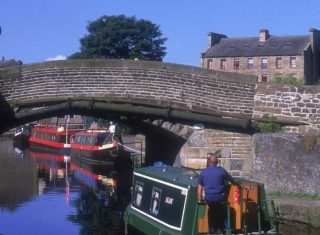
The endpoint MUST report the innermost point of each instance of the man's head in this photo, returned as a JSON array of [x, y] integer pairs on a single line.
[[213, 159]]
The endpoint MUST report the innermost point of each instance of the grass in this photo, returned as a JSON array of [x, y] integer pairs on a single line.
[[302, 196]]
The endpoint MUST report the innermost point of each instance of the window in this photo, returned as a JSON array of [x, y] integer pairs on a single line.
[[293, 62], [138, 192], [264, 78], [236, 64], [264, 63], [209, 64], [278, 62], [223, 64], [250, 63], [155, 201]]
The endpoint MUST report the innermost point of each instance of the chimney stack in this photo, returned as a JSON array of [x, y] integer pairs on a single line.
[[214, 38], [263, 35]]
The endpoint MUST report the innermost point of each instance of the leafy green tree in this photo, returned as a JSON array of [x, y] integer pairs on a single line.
[[122, 37]]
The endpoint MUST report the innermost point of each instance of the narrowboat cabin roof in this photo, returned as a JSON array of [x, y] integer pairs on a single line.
[[175, 175], [169, 174]]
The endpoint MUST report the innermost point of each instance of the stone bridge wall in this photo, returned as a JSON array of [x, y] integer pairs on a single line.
[[153, 83]]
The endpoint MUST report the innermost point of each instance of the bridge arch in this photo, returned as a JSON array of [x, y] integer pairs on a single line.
[[136, 89], [159, 88]]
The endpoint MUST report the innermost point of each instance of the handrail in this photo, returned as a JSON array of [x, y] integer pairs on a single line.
[[275, 210], [137, 152]]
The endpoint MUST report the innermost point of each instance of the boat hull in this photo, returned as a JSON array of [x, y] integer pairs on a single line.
[[21, 140], [50, 148], [104, 155]]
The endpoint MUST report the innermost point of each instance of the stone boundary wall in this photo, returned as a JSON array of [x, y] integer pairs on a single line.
[[288, 104], [287, 162], [154, 83]]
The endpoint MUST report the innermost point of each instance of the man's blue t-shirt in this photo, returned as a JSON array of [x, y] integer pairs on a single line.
[[212, 178]]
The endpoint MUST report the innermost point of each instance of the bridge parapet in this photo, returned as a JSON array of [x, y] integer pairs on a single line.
[[137, 82]]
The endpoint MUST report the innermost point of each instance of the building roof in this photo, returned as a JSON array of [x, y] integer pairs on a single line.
[[9, 63], [251, 46]]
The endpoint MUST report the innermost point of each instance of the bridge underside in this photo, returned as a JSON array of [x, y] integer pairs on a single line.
[[28, 112], [161, 144]]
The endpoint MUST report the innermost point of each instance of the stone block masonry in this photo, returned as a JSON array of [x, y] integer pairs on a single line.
[[288, 104], [236, 150], [287, 162], [158, 84]]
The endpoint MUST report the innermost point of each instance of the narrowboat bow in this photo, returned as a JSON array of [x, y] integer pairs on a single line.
[[95, 145], [164, 201], [21, 136]]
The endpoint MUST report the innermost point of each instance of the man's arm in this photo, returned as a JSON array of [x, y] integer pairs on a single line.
[[231, 179], [200, 188]]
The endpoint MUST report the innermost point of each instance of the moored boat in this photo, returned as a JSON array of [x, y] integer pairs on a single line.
[[51, 139], [21, 136], [95, 145], [164, 201], [54, 135]]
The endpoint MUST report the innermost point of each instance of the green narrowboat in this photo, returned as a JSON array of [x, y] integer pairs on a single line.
[[164, 201]]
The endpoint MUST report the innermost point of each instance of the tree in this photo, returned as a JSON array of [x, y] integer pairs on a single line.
[[121, 37]]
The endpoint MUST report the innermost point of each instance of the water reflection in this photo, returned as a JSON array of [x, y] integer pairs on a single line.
[[18, 182], [83, 198], [97, 207]]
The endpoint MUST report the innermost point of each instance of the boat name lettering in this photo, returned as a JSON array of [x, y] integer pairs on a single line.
[[169, 200], [184, 191]]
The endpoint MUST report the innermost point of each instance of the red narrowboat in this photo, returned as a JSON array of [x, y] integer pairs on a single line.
[[51, 139], [95, 145]]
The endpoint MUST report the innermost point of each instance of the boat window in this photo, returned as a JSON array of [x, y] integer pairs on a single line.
[[82, 139], [91, 140], [101, 139], [155, 200], [138, 192]]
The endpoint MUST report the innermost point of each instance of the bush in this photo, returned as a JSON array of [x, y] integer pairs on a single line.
[[287, 79], [268, 125]]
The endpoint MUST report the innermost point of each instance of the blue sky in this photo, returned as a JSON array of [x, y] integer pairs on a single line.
[[36, 30]]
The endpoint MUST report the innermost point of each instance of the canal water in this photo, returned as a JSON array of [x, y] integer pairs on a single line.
[[41, 193]]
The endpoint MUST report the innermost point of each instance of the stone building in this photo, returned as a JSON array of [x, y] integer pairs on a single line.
[[266, 56]]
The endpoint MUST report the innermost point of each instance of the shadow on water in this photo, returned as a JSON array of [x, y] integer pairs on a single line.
[[18, 181]]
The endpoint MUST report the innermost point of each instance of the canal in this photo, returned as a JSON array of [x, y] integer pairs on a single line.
[[41, 193]]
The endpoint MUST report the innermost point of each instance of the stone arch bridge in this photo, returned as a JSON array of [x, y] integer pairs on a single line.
[[137, 90]]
